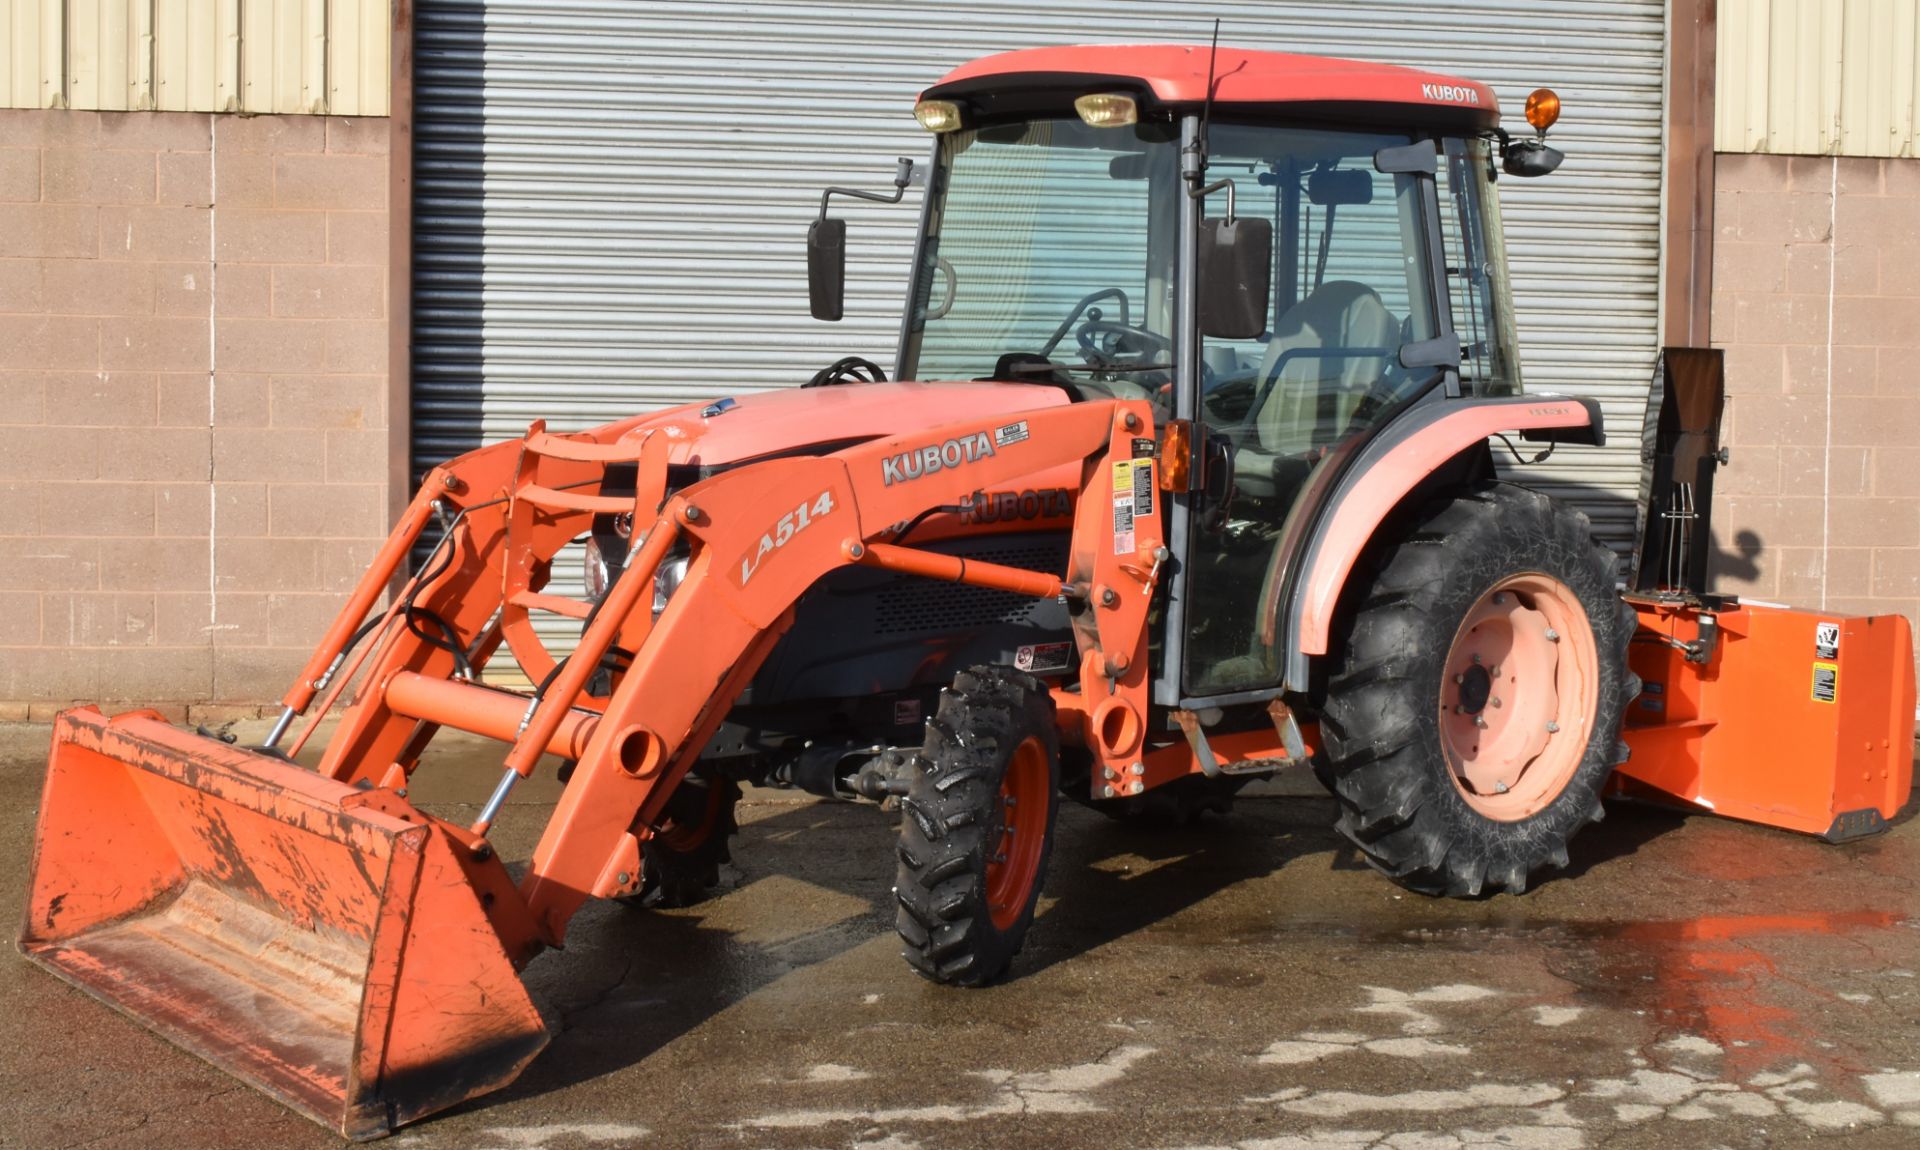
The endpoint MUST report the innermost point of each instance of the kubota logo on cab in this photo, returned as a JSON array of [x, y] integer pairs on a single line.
[[1450, 93]]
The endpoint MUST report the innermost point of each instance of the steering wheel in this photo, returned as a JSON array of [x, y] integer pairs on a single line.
[[849, 369], [1103, 343]]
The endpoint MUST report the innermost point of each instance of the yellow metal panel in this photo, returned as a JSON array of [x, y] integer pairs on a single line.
[[359, 42], [53, 54], [226, 62], [313, 57], [171, 37], [20, 73], [256, 55], [1818, 77], [205, 51], [112, 94], [278, 56], [140, 93], [343, 58], [83, 54]]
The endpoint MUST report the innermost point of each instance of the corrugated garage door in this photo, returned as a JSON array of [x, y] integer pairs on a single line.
[[611, 198]]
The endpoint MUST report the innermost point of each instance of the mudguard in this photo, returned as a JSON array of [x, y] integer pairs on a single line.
[[1401, 457]]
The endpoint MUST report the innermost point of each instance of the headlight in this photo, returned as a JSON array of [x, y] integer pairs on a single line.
[[667, 580], [608, 532], [598, 576]]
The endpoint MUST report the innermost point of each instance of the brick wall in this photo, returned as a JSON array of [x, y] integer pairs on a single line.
[[1821, 506], [193, 356]]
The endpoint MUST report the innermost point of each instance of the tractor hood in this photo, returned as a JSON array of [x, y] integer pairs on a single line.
[[776, 422]]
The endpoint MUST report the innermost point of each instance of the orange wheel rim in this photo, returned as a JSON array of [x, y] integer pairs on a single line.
[[1521, 684], [1018, 833]]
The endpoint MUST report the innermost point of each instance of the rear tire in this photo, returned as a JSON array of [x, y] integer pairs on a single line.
[[976, 827], [1476, 712]]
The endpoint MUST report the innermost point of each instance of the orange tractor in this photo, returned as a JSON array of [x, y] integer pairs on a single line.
[[1207, 492]]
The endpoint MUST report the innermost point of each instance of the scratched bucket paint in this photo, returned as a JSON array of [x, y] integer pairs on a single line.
[[326, 944]]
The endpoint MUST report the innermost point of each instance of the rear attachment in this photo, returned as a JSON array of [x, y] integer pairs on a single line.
[[328, 944]]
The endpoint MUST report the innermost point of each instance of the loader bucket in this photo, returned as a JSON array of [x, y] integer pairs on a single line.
[[328, 945]]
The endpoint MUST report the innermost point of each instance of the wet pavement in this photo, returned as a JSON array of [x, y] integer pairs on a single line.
[[1249, 983]]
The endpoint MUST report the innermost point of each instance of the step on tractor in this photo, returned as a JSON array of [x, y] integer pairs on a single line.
[[1187, 477]]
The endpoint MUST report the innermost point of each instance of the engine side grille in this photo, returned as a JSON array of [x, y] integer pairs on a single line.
[[915, 605]]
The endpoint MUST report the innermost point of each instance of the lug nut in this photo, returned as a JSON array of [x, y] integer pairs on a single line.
[[1476, 659], [1106, 792], [1459, 679], [1553, 636], [1136, 788], [1553, 728], [1480, 721], [1495, 701], [1137, 769]]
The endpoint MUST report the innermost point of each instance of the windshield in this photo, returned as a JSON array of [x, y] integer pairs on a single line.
[[1050, 257]]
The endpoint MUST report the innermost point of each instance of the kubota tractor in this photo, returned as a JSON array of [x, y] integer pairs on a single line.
[[1204, 491]]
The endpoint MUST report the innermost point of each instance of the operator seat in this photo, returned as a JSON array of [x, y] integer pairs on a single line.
[[1314, 397]]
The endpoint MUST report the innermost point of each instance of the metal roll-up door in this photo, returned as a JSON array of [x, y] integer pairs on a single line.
[[611, 198]]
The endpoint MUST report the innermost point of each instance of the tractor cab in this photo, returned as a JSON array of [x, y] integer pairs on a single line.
[[1280, 253]]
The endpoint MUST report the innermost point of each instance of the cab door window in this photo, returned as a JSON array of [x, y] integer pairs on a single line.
[[1351, 286]]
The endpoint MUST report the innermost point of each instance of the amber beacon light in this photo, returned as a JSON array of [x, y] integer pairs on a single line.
[[1543, 108]]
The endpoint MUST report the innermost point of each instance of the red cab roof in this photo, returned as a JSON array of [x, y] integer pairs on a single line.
[[1177, 74]]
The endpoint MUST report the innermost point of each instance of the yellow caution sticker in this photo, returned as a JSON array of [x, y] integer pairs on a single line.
[[1123, 538], [1826, 682]]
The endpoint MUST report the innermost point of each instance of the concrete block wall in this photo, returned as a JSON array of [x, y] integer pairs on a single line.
[[1816, 299], [193, 399]]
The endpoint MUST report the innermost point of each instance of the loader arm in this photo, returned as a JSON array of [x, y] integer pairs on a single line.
[[762, 536]]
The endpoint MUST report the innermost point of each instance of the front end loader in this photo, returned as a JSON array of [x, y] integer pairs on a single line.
[[1205, 491]]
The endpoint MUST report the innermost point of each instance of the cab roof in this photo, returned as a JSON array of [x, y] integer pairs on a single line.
[[1021, 82]]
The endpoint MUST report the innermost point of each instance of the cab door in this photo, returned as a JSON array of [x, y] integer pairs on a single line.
[[1356, 323]]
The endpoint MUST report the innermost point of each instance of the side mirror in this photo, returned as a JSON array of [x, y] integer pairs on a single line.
[[1529, 158], [827, 268], [1236, 277]]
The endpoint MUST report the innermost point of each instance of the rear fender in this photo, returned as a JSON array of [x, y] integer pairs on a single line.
[[1393, 466]]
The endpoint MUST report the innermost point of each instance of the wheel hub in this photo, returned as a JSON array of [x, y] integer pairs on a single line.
[[1519, 690], [1476, 687]]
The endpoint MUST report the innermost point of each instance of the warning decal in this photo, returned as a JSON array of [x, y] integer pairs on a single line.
[[1132, 498], [1826, 640], [1826, 682], [1044, 657]]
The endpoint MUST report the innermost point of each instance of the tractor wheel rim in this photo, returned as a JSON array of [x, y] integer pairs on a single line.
[[1019, 832], [1520, 687]]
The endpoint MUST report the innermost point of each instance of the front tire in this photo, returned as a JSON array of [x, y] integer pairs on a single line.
[[681, 865], [976, 827], [1476, 712]]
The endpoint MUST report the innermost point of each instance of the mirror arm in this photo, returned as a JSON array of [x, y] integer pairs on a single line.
[[1203, 193], [903, 174]]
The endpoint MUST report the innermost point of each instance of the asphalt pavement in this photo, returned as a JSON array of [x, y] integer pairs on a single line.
[[1247, 983]]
